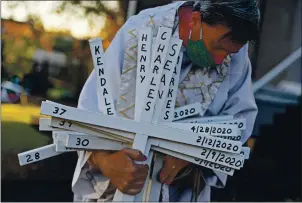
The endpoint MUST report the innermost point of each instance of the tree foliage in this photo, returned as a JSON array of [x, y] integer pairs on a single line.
[[22, 40], [90, 9]]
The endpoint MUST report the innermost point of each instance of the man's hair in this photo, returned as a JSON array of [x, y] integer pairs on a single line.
[[241, 16]]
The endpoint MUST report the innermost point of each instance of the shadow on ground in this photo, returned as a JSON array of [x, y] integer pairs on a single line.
[[45, 181]]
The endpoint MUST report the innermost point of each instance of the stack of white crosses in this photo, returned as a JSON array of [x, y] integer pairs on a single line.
[[211, 142]]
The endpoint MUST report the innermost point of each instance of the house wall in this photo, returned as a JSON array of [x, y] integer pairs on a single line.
[[280, 36]]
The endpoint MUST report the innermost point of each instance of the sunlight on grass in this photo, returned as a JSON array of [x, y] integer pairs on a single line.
[[20, 113]]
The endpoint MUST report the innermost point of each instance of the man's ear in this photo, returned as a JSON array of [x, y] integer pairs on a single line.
[[195, 19]]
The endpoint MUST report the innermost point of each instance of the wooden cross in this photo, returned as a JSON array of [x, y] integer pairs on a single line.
[[213, 144]]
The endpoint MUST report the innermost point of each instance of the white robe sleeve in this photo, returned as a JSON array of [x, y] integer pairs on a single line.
[[241, 104], [87, 184]]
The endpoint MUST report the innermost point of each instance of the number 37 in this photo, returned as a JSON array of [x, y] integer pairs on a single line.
[[57, 109]]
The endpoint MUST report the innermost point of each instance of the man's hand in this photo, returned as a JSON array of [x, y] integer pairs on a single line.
[[119, 167], [170, 169]]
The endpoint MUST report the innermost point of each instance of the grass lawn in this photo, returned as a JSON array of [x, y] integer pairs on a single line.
[[17, 133], [16, 136]]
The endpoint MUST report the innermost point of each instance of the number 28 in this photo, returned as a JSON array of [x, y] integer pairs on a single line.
[[29, 159]]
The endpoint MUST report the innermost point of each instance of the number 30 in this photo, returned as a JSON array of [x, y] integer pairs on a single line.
[[84, 143]]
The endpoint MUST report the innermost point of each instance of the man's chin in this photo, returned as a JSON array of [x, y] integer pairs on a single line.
[[218, 59]]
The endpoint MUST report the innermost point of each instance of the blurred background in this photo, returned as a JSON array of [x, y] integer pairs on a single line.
[[45, 55]]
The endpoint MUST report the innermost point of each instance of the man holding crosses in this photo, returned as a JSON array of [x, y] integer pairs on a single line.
[[215, 71]]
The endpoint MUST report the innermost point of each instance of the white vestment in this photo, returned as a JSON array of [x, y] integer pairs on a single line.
[[225, 90]]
